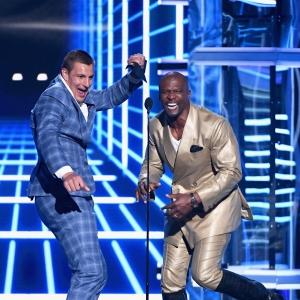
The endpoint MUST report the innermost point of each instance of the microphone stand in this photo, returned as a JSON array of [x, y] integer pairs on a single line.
[[147, 209], [148, 105]]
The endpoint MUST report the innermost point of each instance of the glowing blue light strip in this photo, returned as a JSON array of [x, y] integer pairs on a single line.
[[101, 218], [134, 40], [173, 2], [99, 62], [99, 200], [19, 143], [110, 70], [91, 28], [257, 138], [135, 133], [257, 191], [27, 177], [259, 205], [125, 56], [260, 3], [130, 218], [285, 176], [10, 267], [136, 16], [155, 253], [23, 162], [162, 30], [285, 162], [107, 234], [277, 219], [2, 166], [257, 178], [282, 117], [135, 109], [99, 128], [27, 151], [257, 166], [103, 296], [135, 156], [284, 204], [128, 271], [118, 7], [49, 268], [179, 32], [282, 147], [14, 225], [282, 131], [257, 122], [266, 205], [267, 191], [285, 191], [9, 137], [249, 153], [153, 5], [17, 151]]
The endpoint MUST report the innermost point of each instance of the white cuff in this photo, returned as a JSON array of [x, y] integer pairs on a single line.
[[62, 171]]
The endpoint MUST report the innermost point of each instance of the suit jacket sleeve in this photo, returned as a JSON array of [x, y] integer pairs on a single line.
[[226, 166], [156, 166], [114, 95]]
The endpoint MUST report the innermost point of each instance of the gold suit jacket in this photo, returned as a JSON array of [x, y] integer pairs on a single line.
[[211, 168]]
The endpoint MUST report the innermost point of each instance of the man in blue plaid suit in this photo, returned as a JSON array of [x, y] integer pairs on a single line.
[[62, 182]]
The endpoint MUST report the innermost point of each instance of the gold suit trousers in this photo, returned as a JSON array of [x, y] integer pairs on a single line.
[[205, 262]]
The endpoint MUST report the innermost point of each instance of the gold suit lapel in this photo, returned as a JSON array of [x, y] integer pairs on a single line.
[[170, 152], [183, 155]]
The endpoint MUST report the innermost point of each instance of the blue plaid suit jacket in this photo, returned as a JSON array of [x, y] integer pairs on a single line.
[[61, 134]]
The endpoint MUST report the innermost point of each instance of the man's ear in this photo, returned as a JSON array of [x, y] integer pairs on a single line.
[[64, 74]]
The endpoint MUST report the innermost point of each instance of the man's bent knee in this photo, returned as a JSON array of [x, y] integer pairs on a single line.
[[207, 279]]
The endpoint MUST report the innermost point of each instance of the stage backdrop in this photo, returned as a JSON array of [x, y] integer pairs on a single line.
[[259, 100]]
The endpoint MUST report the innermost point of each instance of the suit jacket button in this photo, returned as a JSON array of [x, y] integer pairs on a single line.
[[86, 163], [195, 183]]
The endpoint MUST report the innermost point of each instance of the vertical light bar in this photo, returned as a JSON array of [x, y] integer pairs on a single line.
[[202, 68], [293, 142], [48, 264], [14, 227], [179, 31], [146, 52], [49, 268], [85, 32], [110, 70], [10, 267], [11, 252], [124, 64], [91, 28], [99, 64]]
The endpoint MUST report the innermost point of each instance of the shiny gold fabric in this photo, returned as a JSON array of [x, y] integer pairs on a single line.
[[213, 172], [205, 263]]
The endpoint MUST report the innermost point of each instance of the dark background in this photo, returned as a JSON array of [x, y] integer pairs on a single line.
[[34, 38]]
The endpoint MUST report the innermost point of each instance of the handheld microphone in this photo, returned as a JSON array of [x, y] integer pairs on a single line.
[[148, 103]]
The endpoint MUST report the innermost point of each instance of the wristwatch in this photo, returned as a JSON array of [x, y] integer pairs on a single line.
[[194, 202]]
